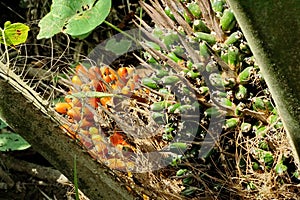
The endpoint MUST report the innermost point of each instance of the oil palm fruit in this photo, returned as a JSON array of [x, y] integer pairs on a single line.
[[194, 9], [227, 20], [200, 26], [245, 76], [231, 123], [241, 92], [233, 38]]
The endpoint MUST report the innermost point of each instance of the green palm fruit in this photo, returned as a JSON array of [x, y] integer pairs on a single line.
[[179, 145], [218, 6], [157, 116], [200, 26], [170, 38], [170, 80], [203, 90], [239, 108], [167, 137], [159, 106], [258, 104], [208, 37], [260, 131], [227, 20], [200, 67], [231, 123], [183, 108], [204, 52], [195, 10], [245, 75], [152, 45], [241, 92], [149, 82], [274, 120], [211, 67], [216, 80], [172, 108], [149, 58], [169, 13], [164, 91], [187, 181], [224, 56], [192, 74], [244, 47], [233, 38], [233, 57], [212, 111], [246, 127], [181, 172], [178, 50], [189, 64], [158, 32], [229, 82], [226, 102], [263, 145], [161, 73], [174, 57], [255, 166], [187, 18], [168, 129]]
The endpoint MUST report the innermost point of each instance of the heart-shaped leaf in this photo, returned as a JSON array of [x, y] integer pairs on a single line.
[[73, 17], [12, 142], [14, 34]]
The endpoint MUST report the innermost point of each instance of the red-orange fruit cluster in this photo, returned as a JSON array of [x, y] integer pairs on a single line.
[[80, 111]]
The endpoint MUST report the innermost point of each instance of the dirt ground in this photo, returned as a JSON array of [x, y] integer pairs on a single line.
[[27, 175]]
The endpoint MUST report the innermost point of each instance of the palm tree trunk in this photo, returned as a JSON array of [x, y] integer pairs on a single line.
[[272, 29]]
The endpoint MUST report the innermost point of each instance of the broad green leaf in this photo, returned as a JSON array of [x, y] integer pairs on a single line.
[[12, 142], [75, 18], [14, 34], [118, 48]]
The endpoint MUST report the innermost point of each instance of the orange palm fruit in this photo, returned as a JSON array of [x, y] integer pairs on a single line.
[[131, 84], [76, 80], [74, 113], [104, 101], [93, 131], [130, 70], [126, 90], [98, 85], [87, 113], [76, 102], [85, 88], [94, 72], [93, 101], [107, 79], [122, 72], [113, 77], [115, 163], [117, 138], [100, 147], [62, 107], [80, 69], [104, 71], [85, 123], [135, 77], [69, 130]]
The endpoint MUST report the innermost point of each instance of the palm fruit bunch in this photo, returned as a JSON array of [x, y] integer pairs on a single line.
[[89, 91], [202, 86], [199, 55]]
